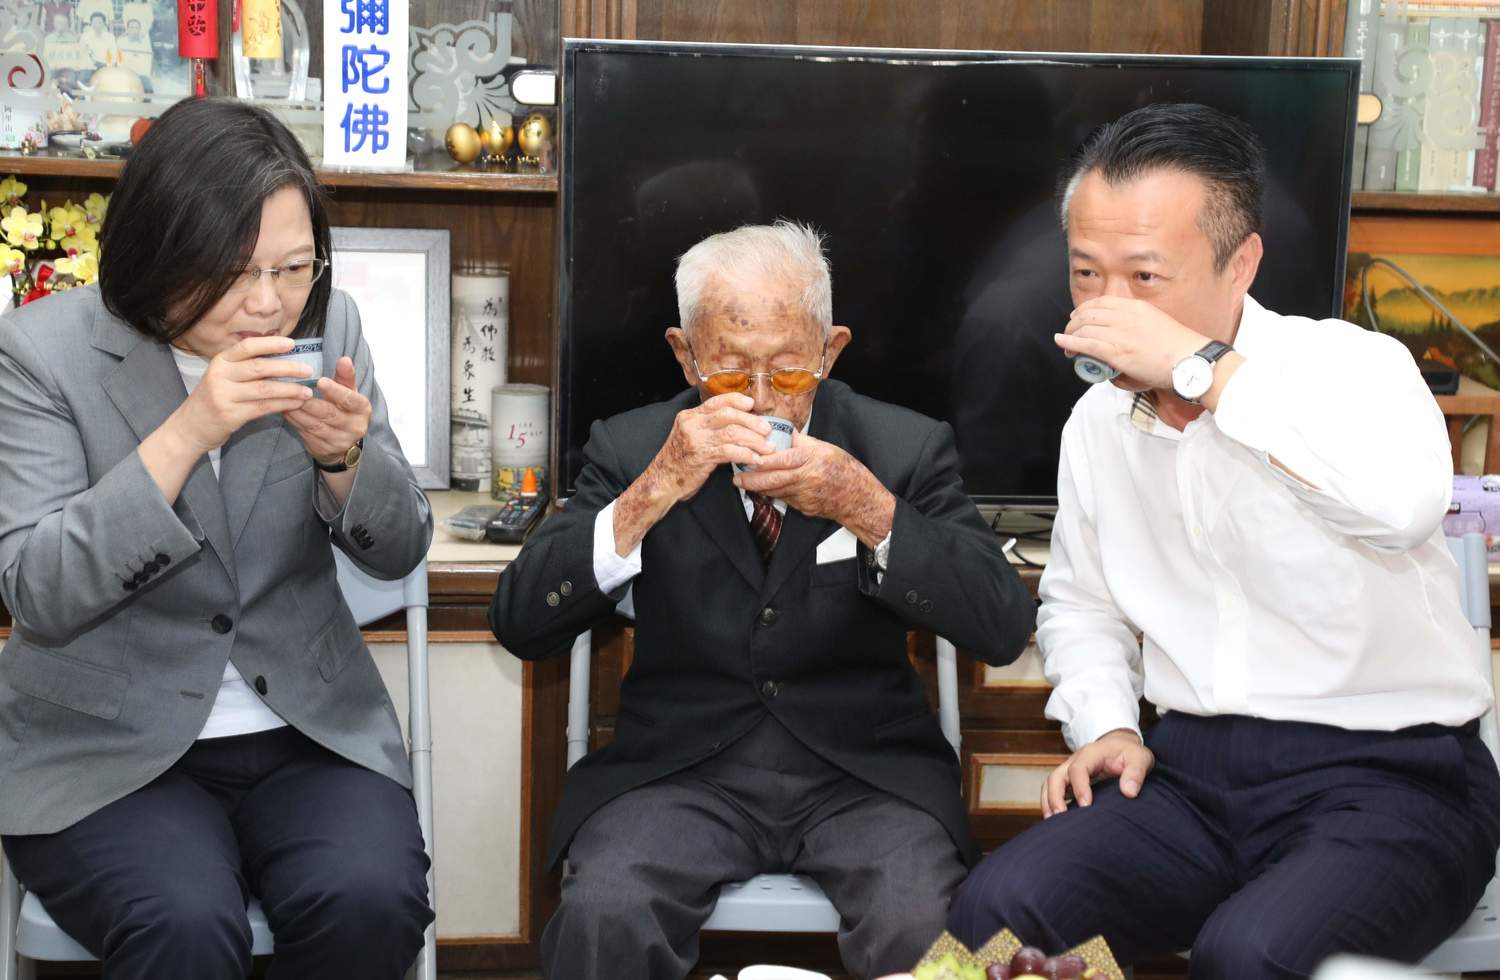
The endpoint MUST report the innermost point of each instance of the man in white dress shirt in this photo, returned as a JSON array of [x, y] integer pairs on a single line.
[[1259, 497]]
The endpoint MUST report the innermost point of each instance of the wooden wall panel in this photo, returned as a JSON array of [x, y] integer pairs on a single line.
[[1273, 27], [766, 22], [1023, 25], [1154, 27], [534, 34]]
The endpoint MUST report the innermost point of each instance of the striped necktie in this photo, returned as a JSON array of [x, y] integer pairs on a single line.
[[765, 524]]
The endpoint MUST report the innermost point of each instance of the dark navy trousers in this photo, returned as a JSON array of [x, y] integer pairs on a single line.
[[1264, 846], [155, 884]]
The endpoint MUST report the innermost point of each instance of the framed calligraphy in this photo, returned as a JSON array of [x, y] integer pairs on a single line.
[[399, 279]]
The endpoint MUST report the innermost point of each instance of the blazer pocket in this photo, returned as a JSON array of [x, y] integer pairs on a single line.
[[835, 572], [66, 682], [287, 467], [339, 641]]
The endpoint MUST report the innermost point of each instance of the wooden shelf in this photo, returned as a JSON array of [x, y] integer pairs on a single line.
[[435, 172], [1431, 203], [12, 162], [461, 177]]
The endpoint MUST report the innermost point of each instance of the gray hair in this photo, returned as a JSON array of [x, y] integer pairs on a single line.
[[787, 251]]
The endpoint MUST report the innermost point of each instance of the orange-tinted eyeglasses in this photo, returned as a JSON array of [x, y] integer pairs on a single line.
[[788, 381]]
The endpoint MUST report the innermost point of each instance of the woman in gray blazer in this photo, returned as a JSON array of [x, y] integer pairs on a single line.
[[188, 713]]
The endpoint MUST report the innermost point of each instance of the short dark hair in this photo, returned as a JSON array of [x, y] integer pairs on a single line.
[[185, 215], [1190, 138]]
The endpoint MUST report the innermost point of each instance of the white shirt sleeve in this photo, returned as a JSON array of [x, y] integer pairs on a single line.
[[612, 572], [1090, 654], [1355, 430]]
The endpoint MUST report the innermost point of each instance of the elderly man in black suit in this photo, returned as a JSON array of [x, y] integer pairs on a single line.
[[770, 721]]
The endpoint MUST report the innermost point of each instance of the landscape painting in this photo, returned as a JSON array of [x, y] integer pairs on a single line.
[[1468, 285]]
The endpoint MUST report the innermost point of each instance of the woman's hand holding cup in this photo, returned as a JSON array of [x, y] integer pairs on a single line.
[[240, 386], [338, 419]]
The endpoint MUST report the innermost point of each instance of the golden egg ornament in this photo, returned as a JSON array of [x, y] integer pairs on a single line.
[[496, 138], [462, 141], [534, 131]]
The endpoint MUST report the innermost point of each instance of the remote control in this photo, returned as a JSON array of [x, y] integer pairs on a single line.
[[515, 519]]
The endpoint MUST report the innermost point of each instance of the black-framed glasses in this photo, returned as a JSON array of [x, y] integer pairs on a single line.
[[294, 275], [788, 381]]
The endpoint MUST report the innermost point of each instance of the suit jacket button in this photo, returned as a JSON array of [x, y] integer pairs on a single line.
[[221, 624], [768, 616], [912, 598], [151, 567], [260, 685], [129, 585], [553, 598], [566, 588], [769, 690], [365, 544], [139, 578], [926, 606], [163, 560]]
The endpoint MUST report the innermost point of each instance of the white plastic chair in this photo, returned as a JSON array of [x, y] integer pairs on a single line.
[[29, 934], [771, 902], [1476, 944], [1365, 968]]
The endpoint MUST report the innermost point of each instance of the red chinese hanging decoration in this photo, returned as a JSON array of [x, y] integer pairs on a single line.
[[198, 37]]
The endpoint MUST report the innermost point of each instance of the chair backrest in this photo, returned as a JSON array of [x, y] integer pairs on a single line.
[[372, 598], [1473, 561], [578, 695]]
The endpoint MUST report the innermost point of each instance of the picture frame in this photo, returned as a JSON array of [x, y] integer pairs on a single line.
[[1456, 260], [397, 276]]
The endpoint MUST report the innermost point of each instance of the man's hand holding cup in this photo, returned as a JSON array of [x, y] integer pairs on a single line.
[[721, 430], [820, 479]]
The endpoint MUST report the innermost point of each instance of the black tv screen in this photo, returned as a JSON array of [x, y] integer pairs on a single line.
[[932, 174]]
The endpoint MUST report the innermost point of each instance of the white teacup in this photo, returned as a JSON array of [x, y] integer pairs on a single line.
[[309, 352], [780, 437]]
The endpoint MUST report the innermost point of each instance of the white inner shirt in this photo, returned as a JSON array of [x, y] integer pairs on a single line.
[[1329, 599], [237, 709]]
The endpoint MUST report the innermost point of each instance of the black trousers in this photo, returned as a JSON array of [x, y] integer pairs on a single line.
[[644, 871], [155, 884], [1264, 846]]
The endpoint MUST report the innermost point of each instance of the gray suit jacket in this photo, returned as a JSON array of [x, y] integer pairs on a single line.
[[126, 609]]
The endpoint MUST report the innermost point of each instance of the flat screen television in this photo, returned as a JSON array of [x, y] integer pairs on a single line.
[[932, 174]]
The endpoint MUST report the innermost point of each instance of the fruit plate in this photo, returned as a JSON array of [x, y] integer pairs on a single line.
[[1005, 958]]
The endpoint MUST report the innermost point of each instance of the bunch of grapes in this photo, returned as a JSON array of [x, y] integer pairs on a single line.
[[1030, 963]]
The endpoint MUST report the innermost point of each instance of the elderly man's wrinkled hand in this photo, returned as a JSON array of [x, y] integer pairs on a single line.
[[721, 430], [820, 479]]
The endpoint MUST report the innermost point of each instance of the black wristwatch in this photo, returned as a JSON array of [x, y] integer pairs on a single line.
[[1194, 375], [350, 460]]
